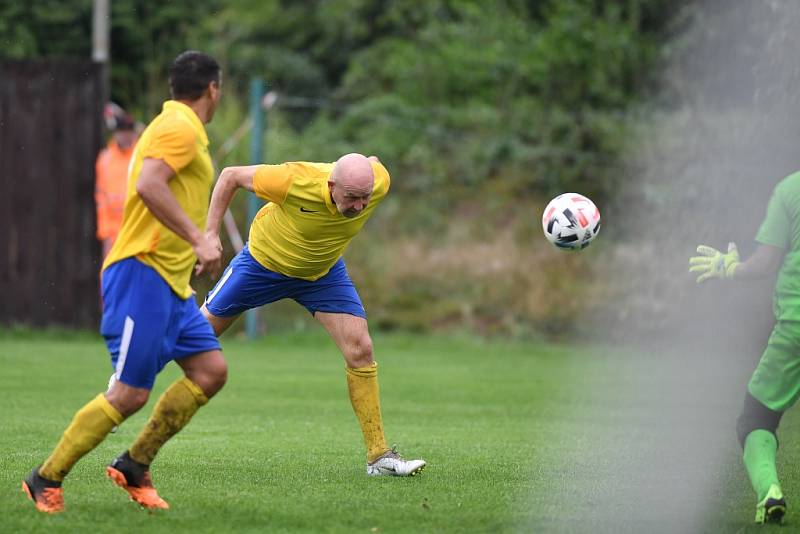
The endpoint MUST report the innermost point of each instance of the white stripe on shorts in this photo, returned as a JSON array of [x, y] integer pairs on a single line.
[[127, 334], [219, 284]]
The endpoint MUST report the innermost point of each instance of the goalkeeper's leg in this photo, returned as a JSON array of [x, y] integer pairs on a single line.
[[773, 389], [760, 445]]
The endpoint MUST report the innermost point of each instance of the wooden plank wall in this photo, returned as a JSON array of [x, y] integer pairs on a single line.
[[50, 134]]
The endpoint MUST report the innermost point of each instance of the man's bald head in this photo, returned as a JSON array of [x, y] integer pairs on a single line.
[[353, 170], [351, 183]]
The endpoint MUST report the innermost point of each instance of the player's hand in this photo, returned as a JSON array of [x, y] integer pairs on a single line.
[[711, 263], [209, 255]]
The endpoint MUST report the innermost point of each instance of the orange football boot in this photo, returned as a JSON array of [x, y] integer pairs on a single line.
[[46, 494], [134, 478]]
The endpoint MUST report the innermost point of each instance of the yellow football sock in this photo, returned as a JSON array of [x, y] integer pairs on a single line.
[[362, 384], [88, 428], [172, 412]]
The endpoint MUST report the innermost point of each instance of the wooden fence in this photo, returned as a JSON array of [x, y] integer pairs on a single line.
[[50, 133]]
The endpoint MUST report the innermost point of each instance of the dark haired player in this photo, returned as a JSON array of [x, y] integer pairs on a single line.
[[150, 317]]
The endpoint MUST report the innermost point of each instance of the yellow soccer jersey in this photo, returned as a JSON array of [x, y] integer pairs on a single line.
[[177, 137], [300, 233]]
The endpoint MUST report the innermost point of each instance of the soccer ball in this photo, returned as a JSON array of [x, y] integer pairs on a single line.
[[571, 221]]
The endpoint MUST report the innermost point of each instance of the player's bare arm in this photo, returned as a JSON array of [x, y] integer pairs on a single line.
[[230, 179], [765, 261], [153, 187]]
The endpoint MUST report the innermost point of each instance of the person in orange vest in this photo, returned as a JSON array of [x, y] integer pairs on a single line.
[[111, 173]]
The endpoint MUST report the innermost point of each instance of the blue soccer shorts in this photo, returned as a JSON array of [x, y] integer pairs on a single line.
[[247, 284], [146, 325]]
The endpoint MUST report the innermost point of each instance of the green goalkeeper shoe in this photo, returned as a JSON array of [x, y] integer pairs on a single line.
[[772, 508]]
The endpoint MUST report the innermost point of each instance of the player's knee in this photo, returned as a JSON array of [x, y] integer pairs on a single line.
[[220, 373], [127, 400], [212, 376], [359, 351], [756, 416]]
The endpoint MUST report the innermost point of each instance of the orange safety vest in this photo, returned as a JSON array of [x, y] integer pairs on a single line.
[[111, 171]]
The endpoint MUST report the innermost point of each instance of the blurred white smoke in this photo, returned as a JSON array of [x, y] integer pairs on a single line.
[[705, 155]]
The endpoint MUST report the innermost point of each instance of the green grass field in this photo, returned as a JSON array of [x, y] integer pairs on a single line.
[[519, 437]]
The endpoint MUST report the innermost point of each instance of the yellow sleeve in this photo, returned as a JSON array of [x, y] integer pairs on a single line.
[[173, 142], [382, 174], [272, 182]]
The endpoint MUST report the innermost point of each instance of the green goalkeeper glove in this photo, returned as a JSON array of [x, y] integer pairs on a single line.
[[711, 263]]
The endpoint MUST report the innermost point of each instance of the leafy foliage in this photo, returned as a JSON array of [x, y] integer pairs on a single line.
[[450, 93], [46, 28], [480, 110]]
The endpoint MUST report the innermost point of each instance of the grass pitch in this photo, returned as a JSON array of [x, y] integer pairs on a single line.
[[519, 437]]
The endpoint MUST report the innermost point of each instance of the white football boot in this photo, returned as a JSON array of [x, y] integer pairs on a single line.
[[392, 464]]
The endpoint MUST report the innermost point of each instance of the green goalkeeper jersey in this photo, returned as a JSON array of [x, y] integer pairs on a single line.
[[781, 228]]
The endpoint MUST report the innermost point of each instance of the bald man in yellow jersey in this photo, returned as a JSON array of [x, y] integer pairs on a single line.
[[295, 251], [150, 316]]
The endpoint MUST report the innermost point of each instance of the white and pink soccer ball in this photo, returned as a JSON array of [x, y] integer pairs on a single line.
[[571, 221]]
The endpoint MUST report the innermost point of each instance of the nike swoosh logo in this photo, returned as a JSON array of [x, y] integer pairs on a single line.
[[307, 211]]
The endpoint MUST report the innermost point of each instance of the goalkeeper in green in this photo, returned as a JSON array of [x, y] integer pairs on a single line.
[[775, 384]]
